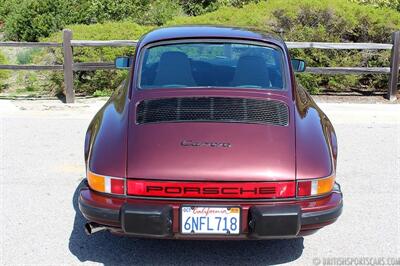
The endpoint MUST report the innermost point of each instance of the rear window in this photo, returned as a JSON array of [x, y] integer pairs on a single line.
[[186, 65]]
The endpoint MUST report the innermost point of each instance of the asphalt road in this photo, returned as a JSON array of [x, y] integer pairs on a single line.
[[41, 166]]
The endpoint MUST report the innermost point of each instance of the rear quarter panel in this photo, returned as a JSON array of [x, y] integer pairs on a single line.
[[106, 137], [316, 144]]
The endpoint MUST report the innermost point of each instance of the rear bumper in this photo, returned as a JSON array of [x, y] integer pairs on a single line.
[[260, 220]]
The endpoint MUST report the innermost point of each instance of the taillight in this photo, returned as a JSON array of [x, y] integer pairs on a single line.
[[106, 184], [217, 190], [315, 187], [117, 186]]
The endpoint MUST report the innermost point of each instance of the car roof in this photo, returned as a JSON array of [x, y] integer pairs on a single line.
[[207, 31]]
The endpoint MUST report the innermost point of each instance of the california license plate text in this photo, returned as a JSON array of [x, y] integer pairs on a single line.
[[210, 220]]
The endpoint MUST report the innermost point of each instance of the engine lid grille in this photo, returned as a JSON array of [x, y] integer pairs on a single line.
[[213, 109]]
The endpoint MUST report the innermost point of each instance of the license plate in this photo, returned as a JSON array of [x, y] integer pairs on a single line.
[[210, 220]]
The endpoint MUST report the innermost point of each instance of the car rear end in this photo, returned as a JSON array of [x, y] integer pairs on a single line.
[[211, 152], [162, 216], [200, 180]]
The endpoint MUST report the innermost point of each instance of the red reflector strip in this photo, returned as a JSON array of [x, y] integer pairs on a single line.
[[304, 188], [117, 186], [216, 190]]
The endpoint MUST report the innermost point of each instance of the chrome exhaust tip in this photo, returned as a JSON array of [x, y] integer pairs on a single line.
[[92, 228]]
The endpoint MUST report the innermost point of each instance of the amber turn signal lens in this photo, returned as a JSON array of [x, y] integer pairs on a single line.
[[96, 182], [325, 185], [106, 184]]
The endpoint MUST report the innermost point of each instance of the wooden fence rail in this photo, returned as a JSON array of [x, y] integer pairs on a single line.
[[69, 66]]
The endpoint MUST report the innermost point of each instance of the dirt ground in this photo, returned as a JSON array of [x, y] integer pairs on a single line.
[[354, 99], [52, 104]]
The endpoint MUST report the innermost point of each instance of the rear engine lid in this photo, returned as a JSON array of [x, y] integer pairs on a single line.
[[211, 139]]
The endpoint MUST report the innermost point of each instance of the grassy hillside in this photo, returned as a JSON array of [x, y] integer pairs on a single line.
[[299, 20], [338, 20]]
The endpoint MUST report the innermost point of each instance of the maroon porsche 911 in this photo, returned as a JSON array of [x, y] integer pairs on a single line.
[[210, 137]]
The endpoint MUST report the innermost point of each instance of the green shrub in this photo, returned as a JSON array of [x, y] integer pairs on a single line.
[[199, 7], [30, 20], [300, 20], [4, 74], [88, 82], [100, 11], [395, 4], [159, 12], [337, 20], [319, 21], [6, 7], [31, 81], [102, 93], [26, 56]]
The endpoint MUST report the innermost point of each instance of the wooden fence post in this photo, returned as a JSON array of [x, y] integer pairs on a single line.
[[394, 67], [68, 64]]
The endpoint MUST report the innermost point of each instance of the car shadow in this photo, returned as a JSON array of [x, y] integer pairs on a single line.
[[108, 249]]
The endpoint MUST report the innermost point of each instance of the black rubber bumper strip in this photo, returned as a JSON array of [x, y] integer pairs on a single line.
[[147, 220], [306, 218], [107, 215], [319, 217], [113, 216]]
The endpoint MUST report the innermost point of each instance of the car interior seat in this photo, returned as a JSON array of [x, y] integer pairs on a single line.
[[251, 70], [174, 69]]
